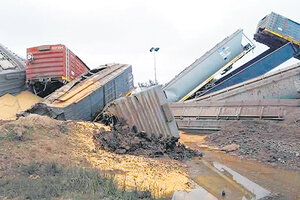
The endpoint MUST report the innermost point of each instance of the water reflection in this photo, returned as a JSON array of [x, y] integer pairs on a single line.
[[252, 187], [217, 181], [198, 193]]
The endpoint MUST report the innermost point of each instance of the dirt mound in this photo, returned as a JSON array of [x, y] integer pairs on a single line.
[[275, 143], [36, 138], [122, 140], [25, 127], [39, 120]]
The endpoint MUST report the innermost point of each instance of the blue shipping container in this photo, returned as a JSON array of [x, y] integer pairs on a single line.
[[274, 30]]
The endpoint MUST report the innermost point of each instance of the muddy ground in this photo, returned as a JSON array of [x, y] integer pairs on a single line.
[[275, 143], [123, 140], [40, 139]]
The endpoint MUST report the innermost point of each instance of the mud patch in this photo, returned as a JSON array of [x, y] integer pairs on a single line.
[[122, 140], [275, 143]]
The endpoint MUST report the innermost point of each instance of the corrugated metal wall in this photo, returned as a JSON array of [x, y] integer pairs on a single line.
[[148, 110]]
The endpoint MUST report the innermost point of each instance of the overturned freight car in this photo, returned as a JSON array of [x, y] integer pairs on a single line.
[[275, 30], [85, 96], [12, 72], [147, 110], [49, 67], [282, 35], [202, 73]]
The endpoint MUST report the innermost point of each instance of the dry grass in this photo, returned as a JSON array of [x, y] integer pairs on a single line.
[[50, 180]]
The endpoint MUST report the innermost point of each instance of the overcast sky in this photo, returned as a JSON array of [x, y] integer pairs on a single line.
[[123, 31]]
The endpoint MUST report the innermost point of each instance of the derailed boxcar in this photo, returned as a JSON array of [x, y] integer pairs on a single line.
[[48, 67], [204, 69], [12, 72], [275, 30], [84, 97]]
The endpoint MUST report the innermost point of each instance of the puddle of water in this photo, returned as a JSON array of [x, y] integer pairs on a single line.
[[252, 187], [285, 182], [196, 194], [217, 181]]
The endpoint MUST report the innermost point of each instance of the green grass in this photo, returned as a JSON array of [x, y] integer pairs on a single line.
[[50, 180], [12, 132]]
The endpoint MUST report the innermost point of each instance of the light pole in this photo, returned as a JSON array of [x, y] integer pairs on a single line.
[[154, 49]]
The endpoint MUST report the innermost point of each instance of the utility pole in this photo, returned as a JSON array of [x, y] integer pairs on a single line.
[[154, 50]]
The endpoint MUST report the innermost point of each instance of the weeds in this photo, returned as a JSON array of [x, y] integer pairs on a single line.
[[12, 132], [50, 180]]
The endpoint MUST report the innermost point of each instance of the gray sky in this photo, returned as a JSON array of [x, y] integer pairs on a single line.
[[123, 31]]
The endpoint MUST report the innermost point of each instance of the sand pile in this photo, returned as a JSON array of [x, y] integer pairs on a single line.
[[11, 105]]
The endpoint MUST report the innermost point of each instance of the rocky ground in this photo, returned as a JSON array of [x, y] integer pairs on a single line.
[[275, 143], [122, 140]]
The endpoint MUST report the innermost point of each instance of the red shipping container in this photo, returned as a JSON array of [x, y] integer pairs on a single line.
[[53, 63]]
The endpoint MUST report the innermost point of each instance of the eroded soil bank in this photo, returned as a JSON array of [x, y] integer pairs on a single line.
[[275, 143]]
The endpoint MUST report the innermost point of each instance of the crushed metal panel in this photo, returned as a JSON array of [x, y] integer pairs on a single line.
[[148, 110], [12, 72]]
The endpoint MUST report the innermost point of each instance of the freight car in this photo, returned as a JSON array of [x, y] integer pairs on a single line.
[[275, 30], [203, 71], [84, 97], [12, 72], [49, 67]]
